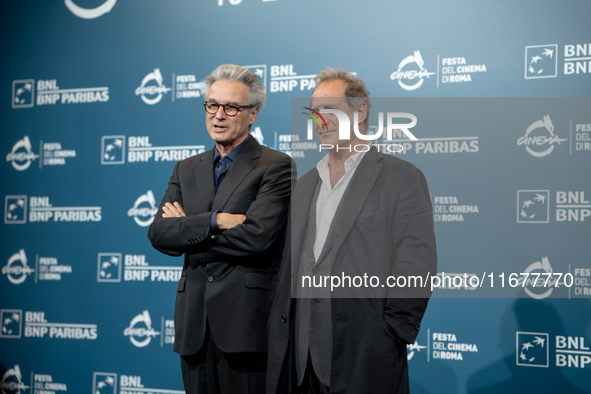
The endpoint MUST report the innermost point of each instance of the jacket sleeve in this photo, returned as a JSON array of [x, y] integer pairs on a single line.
[[414, 255], [175, 236], [265, 218]]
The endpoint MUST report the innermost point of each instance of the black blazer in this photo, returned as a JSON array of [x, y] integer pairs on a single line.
[[385, 215], [226, 278]]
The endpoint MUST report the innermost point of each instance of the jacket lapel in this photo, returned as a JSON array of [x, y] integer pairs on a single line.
[[242, 165], [302, 202], [204, 181]]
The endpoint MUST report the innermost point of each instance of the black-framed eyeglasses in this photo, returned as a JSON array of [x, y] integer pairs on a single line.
[[211, 107]]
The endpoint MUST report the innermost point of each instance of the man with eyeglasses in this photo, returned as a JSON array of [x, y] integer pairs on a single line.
[[225, 210]]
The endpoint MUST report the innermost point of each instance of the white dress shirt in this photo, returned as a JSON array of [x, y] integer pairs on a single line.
[[329, 198]]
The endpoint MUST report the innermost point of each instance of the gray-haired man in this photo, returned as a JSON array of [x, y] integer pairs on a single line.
[[358, 211], [225, 210]]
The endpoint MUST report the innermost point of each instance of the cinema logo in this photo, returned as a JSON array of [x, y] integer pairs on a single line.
[[540, 283], [140, 331], [16, 270], [411, 72], [135, 269], [49, 93], [21, 156], [152, 88], [236, 2], [344, 127], [412, 348], [90, 13], [539, 139], [144, 215], [141, 150], [12, 381]]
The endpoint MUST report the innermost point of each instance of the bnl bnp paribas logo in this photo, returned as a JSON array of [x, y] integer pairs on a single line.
[[541, 61], [41, 210], [533, 206], [260, 71], [533, 350], [106, 383], [136, 269], [140, 150], [49, 93], [12, 381], [11, 321], [540, 139], [144, 209]]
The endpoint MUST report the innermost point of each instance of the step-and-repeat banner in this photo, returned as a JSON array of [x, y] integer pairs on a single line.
[[100, 98]]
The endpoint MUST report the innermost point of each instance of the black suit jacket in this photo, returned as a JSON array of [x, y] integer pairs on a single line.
[[226, 278], [384, 216]]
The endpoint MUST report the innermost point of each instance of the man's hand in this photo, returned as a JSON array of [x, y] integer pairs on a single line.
[[226, 221], [173, 211]]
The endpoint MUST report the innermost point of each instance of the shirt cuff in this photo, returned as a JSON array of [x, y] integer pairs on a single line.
[[213, 224]]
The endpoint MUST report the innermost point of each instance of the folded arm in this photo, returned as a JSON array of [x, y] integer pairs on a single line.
[[242, 234]]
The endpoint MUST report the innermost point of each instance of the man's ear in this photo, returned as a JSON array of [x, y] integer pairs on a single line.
[[253, 115], [362, 110]]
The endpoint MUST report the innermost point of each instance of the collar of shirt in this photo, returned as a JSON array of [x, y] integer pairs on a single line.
[[350, 165], [232, 155]]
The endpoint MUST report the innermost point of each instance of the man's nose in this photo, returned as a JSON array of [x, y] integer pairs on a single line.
[[221, 114]]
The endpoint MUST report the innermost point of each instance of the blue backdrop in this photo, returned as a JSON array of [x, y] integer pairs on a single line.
[[100, 98]]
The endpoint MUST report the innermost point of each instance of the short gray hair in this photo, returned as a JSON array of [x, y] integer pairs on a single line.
[[356, 92], [232, 72]]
